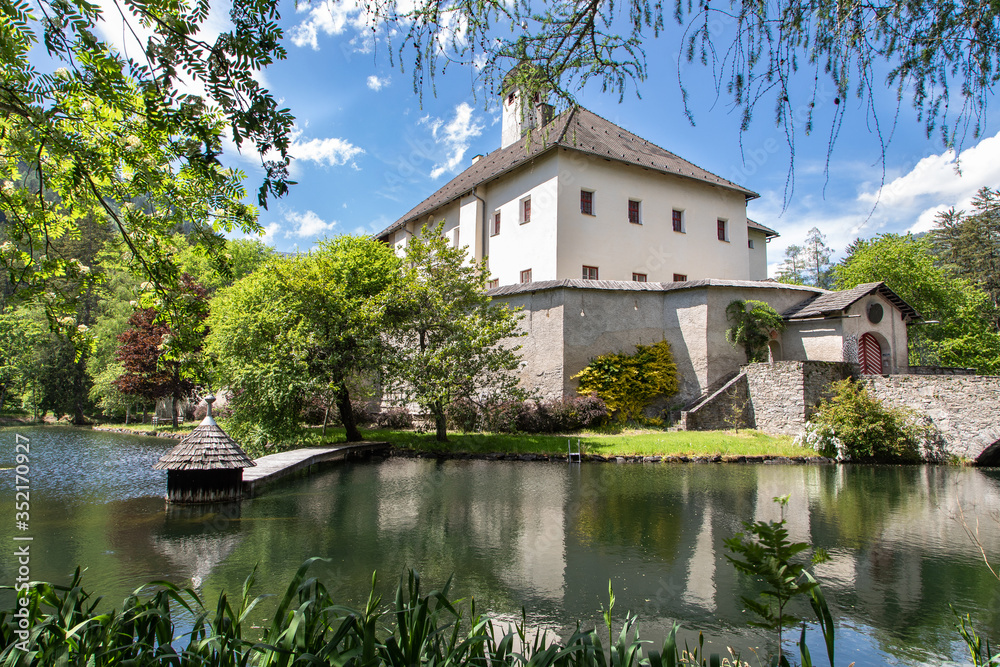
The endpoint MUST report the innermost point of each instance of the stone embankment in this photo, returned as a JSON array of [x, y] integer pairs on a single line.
[[597, 458], [780, 397], [152, 434]]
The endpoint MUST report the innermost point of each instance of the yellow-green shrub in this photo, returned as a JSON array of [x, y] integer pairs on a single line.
[[629, 382]]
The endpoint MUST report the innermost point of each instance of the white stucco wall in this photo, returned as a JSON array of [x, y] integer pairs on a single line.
[[523, 245], [815, 340], [559, 240], [618, 248], [891, 330], [757, 256], [567, 327], [823, 339]]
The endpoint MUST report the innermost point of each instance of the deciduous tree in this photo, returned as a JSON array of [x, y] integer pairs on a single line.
[[449, 340], [117, 135], [801, 59], [303, 326], [959, 330]]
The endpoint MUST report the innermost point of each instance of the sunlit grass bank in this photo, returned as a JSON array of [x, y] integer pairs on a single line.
[[622, 443], [626, 443], [147, 428]]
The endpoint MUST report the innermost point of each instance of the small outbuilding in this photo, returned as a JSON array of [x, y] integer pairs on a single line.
[[206, 466]]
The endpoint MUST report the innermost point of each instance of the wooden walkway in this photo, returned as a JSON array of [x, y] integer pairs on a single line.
[[273, 467]]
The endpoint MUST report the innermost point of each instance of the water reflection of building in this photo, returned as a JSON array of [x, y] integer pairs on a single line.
[[197, 538]]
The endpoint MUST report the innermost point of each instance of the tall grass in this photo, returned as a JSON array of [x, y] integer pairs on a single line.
[[308, 628]]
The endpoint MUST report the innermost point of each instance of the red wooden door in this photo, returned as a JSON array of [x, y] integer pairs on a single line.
[[870, 355]]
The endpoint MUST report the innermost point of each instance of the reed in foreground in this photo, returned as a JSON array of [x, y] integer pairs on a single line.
[[59, 625]]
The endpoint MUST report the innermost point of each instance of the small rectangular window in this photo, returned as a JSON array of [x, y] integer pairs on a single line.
[[493, 284], [526, 210], [680, 277], [750, 243], [723, 231], [454, 237], [495, 229], [526, 276], [586, 202], [678, 219], [633, 212], [590, 273], [639, 277]]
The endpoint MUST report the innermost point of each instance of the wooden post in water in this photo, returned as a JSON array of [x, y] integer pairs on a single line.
[[206, 466]]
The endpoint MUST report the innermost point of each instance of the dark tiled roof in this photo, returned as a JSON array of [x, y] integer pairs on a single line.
[[207, 447], [752, 224], [576, 129], [630, 286], [834, 303]]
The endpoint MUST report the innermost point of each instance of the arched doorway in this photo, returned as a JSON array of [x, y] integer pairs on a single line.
[[870, 355]]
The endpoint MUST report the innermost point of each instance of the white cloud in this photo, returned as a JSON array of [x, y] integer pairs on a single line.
[[909, 202], [270, 231], [377, 84], [332, 151], [329, 17], [307, 224], [455, 136], [935, 184]]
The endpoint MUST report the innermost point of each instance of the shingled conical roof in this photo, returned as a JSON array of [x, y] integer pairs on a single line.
[[207, 447]]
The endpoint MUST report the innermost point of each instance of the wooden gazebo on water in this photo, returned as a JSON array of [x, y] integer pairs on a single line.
[[206, 466]]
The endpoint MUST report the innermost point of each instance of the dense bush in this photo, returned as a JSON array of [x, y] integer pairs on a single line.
[[570, 413], [852, 425], [201, 410], [394, 418], [628, 383], [462, 415]]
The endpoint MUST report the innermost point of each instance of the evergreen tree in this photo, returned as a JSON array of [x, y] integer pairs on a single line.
[[968, 245]]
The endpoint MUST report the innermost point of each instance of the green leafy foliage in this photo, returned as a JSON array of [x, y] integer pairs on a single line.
[[854, 425], [752, 323], [301, 327], [960, 330], [450, 341], [763, 551], [110, 137], [628, 383]]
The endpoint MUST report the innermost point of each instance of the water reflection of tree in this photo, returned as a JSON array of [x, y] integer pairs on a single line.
[[911, 559]]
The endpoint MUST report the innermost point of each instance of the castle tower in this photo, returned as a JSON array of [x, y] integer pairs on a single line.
[[525, 103]]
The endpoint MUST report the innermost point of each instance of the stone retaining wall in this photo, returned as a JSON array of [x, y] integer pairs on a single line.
[[784, 394], [964, 408], [728, 407]]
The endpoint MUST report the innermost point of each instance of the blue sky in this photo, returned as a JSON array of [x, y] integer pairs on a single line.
[[369, 148]]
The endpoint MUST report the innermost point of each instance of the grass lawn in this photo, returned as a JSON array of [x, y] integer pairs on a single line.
[[144, 428], [625, 443], [615, 443]]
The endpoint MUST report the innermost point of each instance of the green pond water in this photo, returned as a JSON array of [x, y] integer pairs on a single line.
[[543, 536]]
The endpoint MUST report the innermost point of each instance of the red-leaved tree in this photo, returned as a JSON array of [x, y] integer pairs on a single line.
[[159, 360]]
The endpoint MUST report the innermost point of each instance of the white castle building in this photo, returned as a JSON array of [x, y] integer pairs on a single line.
[[607, 240]]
